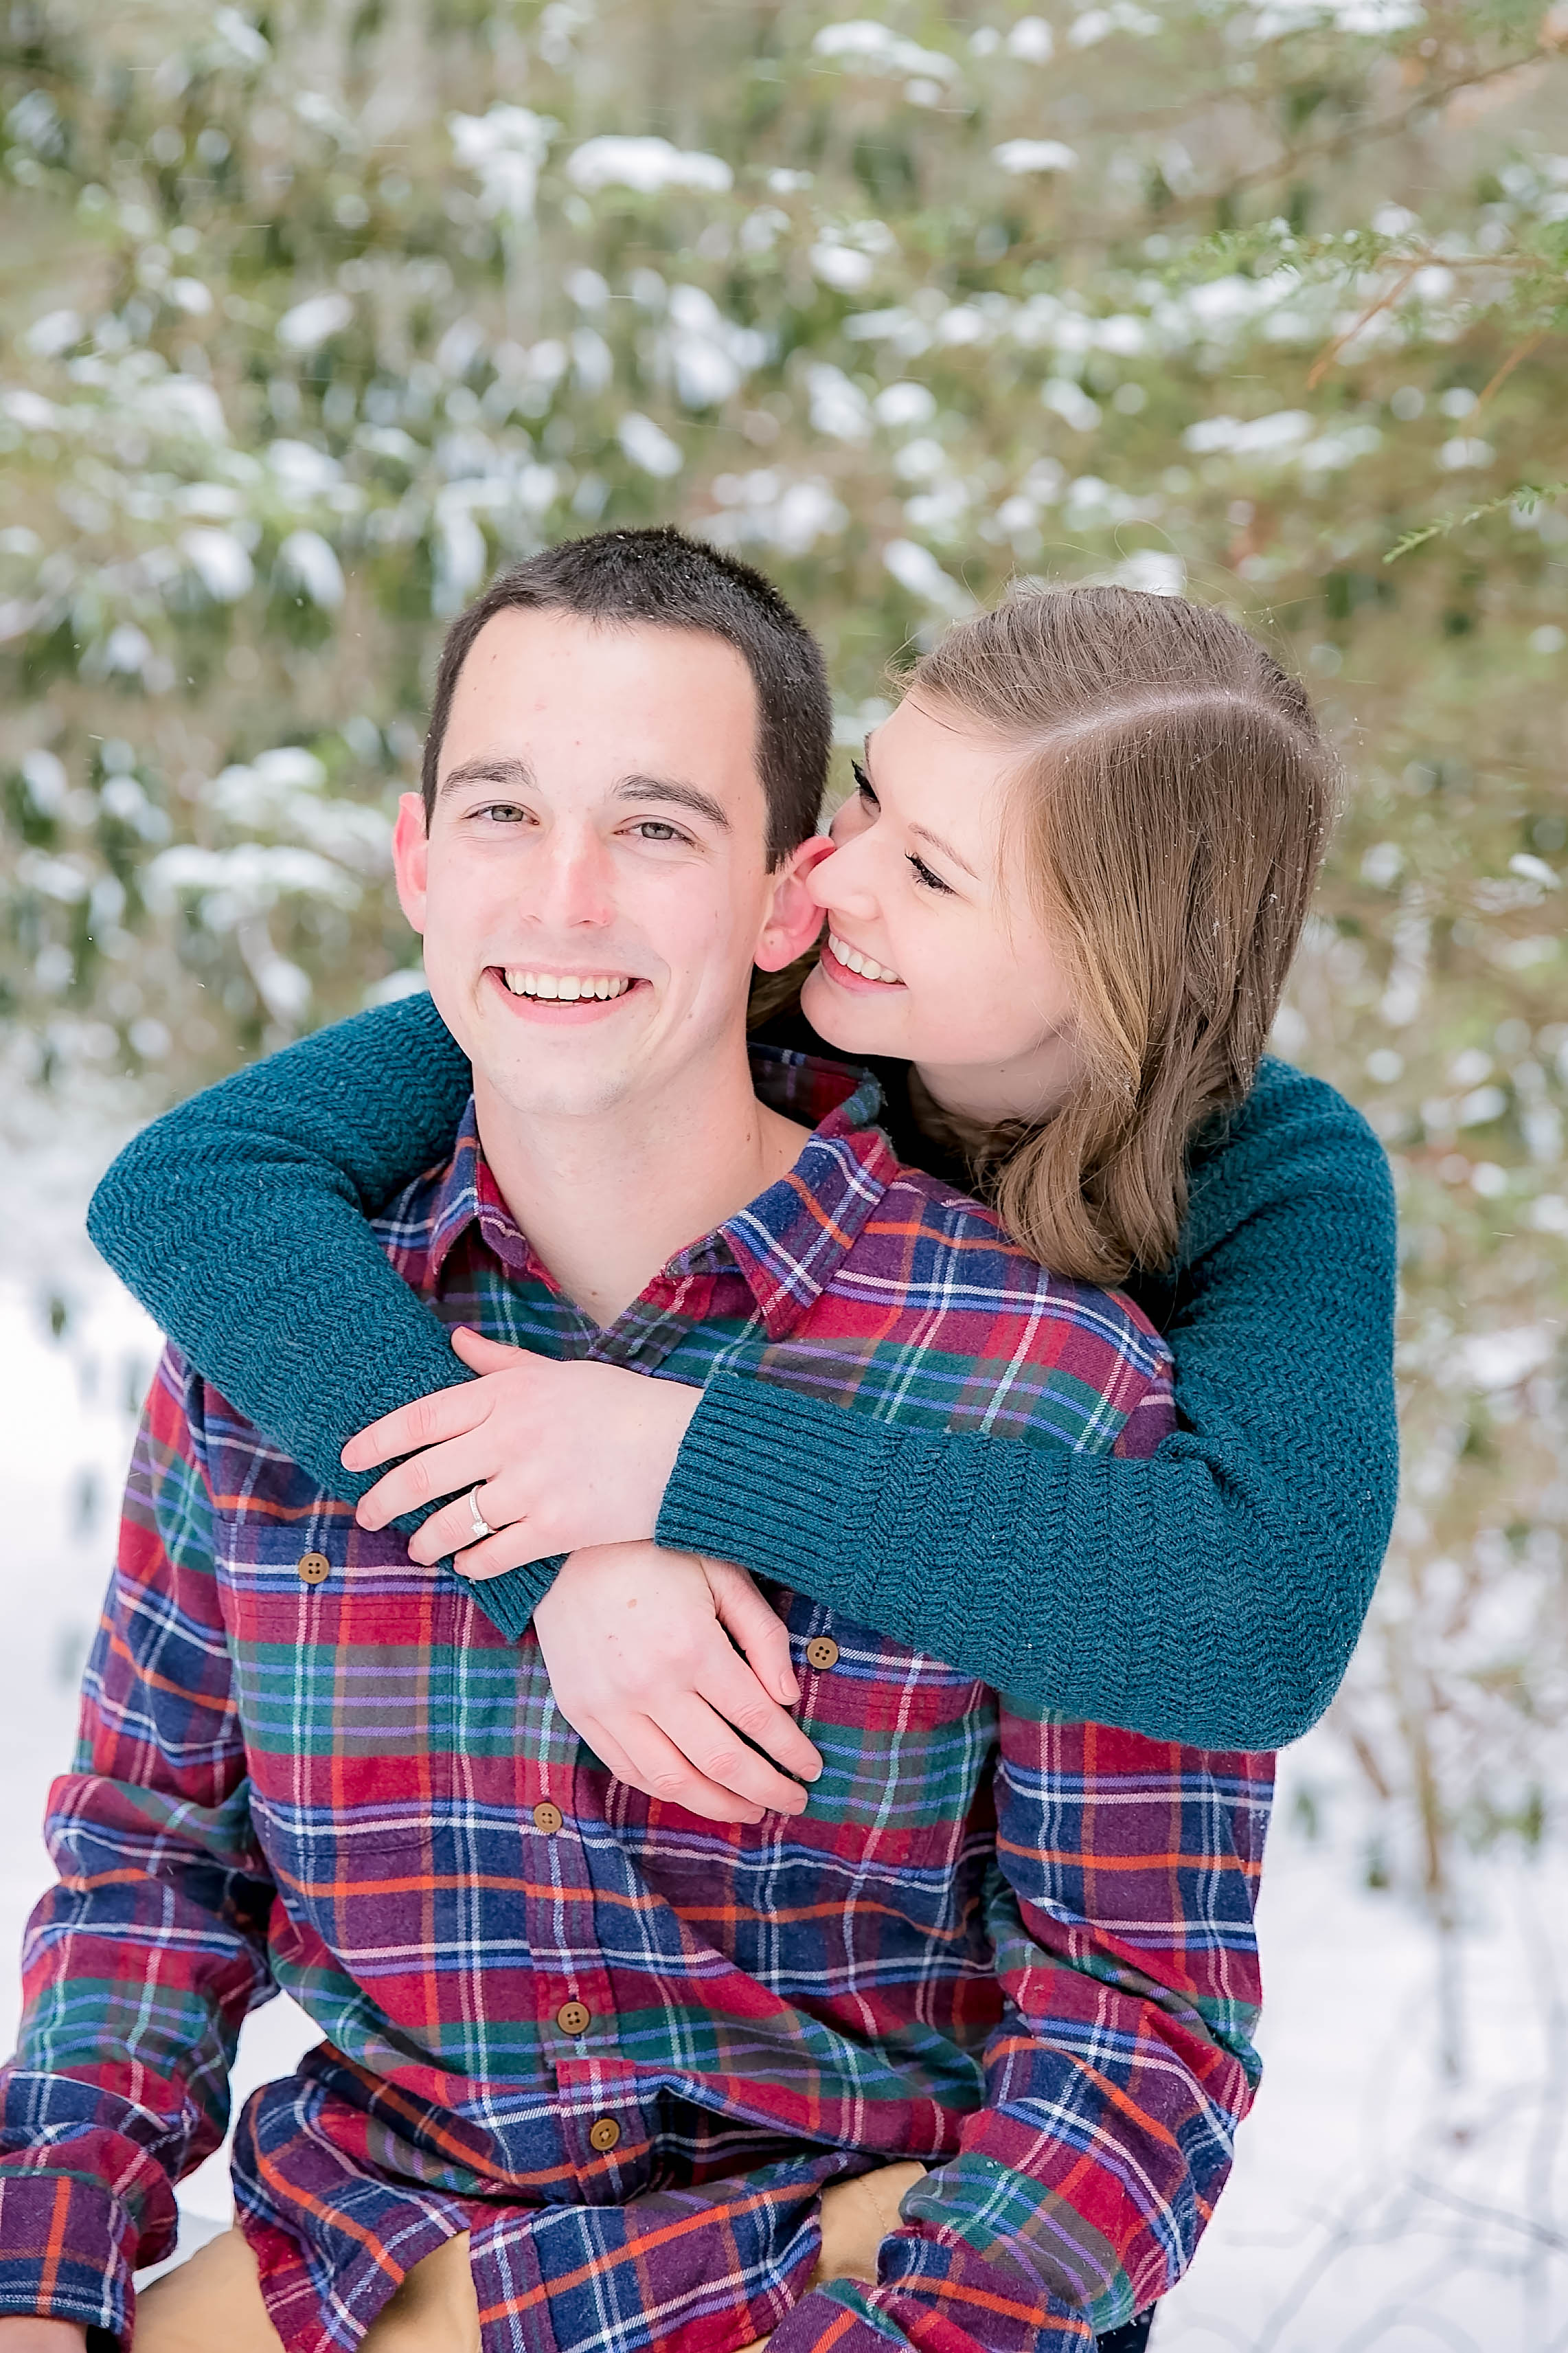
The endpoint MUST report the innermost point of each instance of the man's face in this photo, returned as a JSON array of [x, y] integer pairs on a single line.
[[594, 885]]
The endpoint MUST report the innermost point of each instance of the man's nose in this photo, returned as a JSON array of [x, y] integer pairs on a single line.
[[576, 882]]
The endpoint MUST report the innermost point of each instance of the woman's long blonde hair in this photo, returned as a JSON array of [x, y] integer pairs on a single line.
[[1172, 802]]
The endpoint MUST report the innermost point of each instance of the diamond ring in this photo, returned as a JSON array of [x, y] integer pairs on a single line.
[[482, 1527]]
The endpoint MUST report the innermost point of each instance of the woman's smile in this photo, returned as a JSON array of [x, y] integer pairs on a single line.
[[851, 967]]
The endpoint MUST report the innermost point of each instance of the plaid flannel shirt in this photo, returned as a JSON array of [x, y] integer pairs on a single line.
[[626, 2049]]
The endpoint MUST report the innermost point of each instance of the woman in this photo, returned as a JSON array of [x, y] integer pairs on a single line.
[[1131, 802]]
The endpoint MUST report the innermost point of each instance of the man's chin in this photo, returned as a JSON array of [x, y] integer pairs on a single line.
[[530, 1094]]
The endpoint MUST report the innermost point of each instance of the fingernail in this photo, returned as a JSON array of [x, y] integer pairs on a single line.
[[789, 1689]]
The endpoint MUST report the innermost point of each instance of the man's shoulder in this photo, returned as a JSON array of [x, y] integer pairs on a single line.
[[935, 1318], [945, 1245]]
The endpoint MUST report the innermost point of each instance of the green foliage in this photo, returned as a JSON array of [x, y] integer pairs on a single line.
[[312, 317]]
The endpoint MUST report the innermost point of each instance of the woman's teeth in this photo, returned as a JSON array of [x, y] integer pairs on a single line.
[[565, 988], [864, 964]]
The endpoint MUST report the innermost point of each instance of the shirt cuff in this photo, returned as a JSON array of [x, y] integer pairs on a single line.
[[981, 2308], [69, 2247]]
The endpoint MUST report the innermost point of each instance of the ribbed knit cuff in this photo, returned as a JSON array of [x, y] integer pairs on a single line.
[[510, 1600], [967, 1548], [766, 1477]]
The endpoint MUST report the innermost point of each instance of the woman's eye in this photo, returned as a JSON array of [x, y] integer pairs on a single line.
[[926, 879], [863, 785]]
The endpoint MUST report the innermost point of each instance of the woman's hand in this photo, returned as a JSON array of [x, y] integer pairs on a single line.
[[563, 1455], [641, 1666]]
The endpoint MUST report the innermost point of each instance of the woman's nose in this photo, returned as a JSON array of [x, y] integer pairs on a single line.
[[844, 881]]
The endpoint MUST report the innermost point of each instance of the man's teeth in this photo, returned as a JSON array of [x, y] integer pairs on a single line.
[[864, 964], [566, 988]]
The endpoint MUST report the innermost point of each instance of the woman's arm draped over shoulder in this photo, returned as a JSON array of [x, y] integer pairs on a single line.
[[238, 1220], [1212, 1595]]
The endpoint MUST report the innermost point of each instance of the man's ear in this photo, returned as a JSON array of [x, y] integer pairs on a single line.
[[794, 918], [411, 858]]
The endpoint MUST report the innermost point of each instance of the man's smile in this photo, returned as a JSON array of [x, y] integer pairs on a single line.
[[566, 986], [541, 993]]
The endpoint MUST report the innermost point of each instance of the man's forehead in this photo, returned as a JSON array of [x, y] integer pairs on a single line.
[[634, 702], [607, 642]]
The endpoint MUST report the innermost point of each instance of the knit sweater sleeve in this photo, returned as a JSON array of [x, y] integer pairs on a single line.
[[1211, 1594], [238, 1220]]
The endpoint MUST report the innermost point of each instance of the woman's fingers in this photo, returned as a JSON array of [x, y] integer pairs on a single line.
[[451, 1531], [755, 1625], [510, 1548], [446, 1470], [445, 1413], [722, 1758]]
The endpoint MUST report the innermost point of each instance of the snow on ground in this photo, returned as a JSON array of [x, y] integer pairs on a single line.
[[1377, 2205]]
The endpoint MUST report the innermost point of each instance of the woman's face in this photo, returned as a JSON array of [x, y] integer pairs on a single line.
[[933, 952]]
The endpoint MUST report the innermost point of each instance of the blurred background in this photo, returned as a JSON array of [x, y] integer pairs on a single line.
[[311, 315]]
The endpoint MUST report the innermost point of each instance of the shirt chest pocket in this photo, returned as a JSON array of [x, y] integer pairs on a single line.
[[907, 1743], [344, 1673]]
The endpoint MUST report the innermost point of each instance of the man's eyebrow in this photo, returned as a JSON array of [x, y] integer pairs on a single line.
[[671, 788], [488, 769], [921, 832]]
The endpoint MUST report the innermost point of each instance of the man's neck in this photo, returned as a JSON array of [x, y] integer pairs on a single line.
[[606, 1201]]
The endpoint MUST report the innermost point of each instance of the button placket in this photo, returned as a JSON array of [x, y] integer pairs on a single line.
[[577, 2004]]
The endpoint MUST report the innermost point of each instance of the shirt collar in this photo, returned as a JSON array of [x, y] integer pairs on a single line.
[[785, 1245]]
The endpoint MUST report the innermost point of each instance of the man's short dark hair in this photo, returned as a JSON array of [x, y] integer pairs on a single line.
[[661, 578]]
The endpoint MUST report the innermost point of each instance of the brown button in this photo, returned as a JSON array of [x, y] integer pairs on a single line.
[[603, 2133], [547, 1818], [823, 1653], [315, 1568], [573, 2018]]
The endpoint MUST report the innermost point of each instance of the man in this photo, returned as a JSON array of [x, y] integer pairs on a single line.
[[597, 2072]]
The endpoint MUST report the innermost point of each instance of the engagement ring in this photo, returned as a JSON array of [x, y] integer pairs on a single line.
[[481, 1525]]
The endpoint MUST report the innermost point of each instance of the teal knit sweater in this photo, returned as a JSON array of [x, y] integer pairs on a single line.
[[1212, 1595]]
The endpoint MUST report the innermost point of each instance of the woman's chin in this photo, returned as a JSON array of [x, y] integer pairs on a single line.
[[842, 1020]]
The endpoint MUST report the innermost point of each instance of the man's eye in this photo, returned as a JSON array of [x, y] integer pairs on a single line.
[[503, 812], [864, 786], [654, 829], [926, 879]]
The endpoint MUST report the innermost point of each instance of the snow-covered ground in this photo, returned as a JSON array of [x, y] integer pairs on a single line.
[[1376, 2204]]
